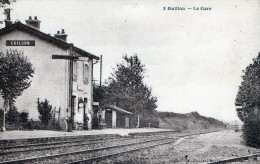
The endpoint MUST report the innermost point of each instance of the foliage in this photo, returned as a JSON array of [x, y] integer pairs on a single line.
[[56, 126], [188, 120], [95, 122], [15, 72], [30, 125], [15, 119], [12, 116], [126, 88], [23, 116], [5, 4], [248, 97], [38, 125], [251, 130], [45, 111], [249, 90], [98, 92], [171, 114], [149, 122]]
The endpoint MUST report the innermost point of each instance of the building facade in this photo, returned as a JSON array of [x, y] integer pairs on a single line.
[[63, 72], [115, 117]]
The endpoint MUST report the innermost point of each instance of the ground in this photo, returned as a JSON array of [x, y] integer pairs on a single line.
[[197, 149], [16, 134], [213, 146]]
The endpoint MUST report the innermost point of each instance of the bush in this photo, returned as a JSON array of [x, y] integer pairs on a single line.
[[251, 132], [56, 126], [23, 117], [12, 117], [30, 125], [38, 125], [44, 109], [95, 123], [16, 120], [144, 122]]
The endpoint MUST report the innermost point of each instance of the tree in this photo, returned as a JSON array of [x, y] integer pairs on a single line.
[[249, 97], [12, 116], [98, 92], [15, 118], [15, 73], [5, 5], [23, 116], [126, 88], [249, 91], [45, 111], [251, 130]]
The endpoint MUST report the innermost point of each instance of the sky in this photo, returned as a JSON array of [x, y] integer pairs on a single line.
[[193, 58]]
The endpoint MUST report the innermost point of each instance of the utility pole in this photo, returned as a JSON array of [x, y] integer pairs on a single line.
[[71, 58], [100, 80]]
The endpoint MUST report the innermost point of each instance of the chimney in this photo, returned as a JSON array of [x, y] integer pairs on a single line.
[[61, 35], [8, 21], [33, 23]]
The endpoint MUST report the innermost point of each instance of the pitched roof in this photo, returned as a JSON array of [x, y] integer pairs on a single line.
[[118, 109], [58, 42]]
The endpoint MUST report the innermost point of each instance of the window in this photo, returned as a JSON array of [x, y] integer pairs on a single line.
[[85, 73], [75, 70]]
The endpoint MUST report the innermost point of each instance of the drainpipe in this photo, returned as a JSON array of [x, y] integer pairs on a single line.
[[71, 87]]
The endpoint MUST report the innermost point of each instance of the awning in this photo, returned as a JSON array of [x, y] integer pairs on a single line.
[[113, 107]]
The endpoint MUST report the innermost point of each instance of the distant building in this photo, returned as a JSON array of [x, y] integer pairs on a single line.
[[64, 79], [116, 117]]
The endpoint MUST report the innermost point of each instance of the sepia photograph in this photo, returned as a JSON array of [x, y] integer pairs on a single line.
[[130, 81]]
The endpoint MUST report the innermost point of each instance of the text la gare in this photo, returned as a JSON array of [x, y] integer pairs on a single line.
[[201, 8]]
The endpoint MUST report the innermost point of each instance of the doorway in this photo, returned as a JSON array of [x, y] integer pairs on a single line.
[[108, 119]]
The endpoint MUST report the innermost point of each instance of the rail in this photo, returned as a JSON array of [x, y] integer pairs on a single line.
[[251, 157]]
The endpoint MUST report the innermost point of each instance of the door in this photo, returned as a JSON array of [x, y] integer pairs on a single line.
[[126, 122], [108, 119]]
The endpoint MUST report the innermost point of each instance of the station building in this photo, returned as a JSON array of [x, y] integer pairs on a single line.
[[116, 117], [63, 72]]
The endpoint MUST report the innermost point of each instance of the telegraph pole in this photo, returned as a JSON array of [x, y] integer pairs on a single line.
[[100, 80], [71, 58]]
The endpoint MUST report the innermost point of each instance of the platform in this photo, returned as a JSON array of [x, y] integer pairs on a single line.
[[21, 134]]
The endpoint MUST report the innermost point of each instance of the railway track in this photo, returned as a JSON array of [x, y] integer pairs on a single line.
[[73, 156], [242, 159], [42, 146], [91, 159], [50, 146], [83, 151], [13, 143]]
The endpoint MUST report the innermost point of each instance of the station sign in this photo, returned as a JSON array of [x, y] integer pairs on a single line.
[[20, 42]]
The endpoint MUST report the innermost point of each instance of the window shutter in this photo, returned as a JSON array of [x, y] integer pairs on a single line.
[[85, 73], [75, 71]]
